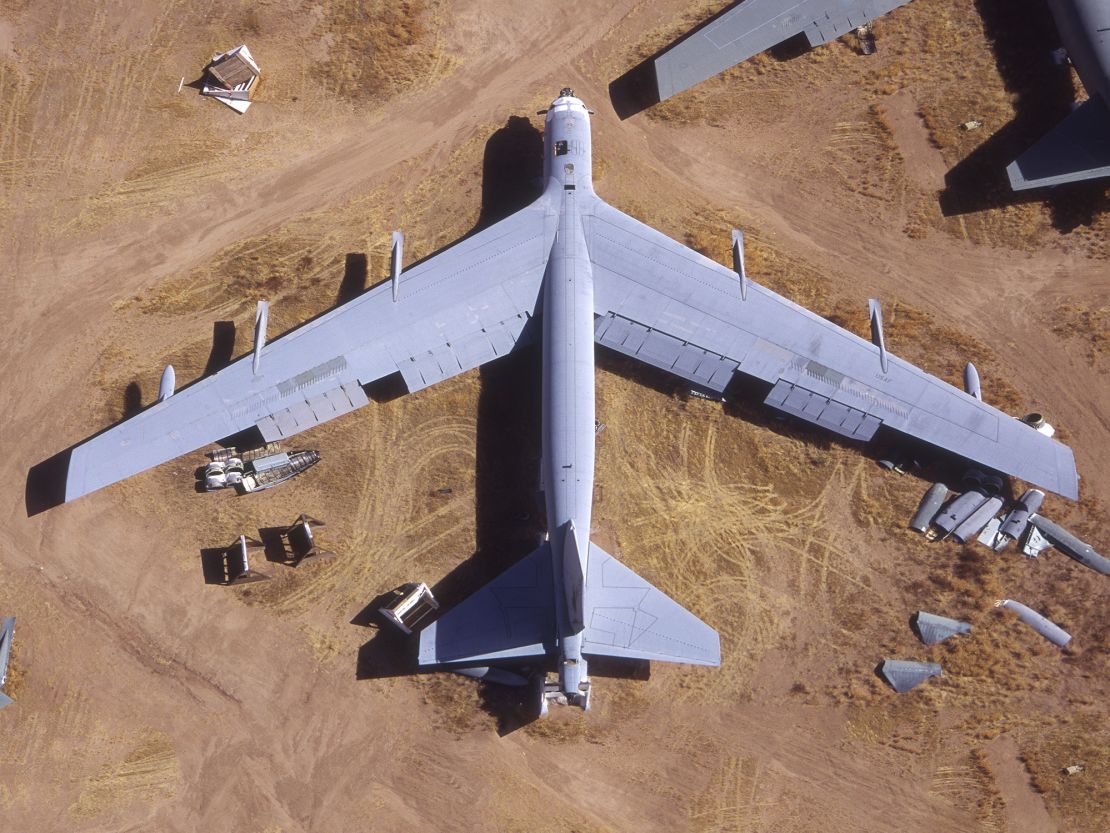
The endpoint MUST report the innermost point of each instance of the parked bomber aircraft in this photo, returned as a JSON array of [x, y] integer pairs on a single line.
[[572, 271], [753, 26], [1078, 148]]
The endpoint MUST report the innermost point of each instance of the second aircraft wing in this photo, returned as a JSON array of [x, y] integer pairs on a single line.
[[671, 307], [753, 26]]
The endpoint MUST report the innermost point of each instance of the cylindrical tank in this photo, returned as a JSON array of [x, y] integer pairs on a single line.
[[958, 511], [977, 520], [1018, 517], [930, 504], [1045, 627]]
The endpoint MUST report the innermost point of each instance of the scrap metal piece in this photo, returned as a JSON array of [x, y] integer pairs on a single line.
[[411, 605], [930, 504], [989, 537], [1071, 546], [958, 510], [237, 565], [1034, 543], [932, 629], [1018, 517], [1041, 624], [7, 634], [969, 528], [903, 675]]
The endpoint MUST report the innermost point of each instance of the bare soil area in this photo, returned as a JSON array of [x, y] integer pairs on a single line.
[[139, 225]]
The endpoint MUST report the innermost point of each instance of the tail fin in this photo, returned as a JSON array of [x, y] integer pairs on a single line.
[[1077, 148], [627, 617]]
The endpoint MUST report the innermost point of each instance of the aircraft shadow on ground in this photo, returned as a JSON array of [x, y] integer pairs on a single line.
[[1023, 35]]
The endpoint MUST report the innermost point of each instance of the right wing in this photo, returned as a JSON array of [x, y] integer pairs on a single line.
[[756, 25], [676, 309], [1076, 149], [454, 311]]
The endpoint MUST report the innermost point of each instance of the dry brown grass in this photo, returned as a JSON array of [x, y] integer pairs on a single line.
[[150, 773], [1088, 323], [379, 49], [1081, 801]]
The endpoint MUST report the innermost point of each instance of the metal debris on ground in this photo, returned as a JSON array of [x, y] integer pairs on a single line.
[[1073, 769], [1041, 624], [903, 675], [237, 565], [230, 78], [932, 629], [413, 603], [7, 634], [1069, 545], [930, 504], [301, 540], [971, 124], [865, 34], [256, 470]]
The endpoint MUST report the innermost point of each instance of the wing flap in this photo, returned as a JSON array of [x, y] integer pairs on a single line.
[[627, 617]]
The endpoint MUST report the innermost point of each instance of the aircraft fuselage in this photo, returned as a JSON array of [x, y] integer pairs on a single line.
[[568, 377]]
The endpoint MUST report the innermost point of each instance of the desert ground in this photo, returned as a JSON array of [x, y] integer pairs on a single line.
[[139, 225]]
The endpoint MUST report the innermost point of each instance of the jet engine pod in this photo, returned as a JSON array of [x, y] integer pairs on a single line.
[[989, 483]]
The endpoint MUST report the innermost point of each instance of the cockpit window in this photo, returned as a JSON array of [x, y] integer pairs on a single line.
[[561, 148]]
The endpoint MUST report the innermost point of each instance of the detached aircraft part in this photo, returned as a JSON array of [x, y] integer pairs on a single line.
[[754, 26], [1071, 546], [969, 528], [930, 504], [903, 675], [932, 629], [1034, 543], [1041, 624], [7, 634]]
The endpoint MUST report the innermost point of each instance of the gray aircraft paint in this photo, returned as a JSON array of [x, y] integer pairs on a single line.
[[1014, 523], [1041, 624], [597, 275], [970, 527], [754, 26], [958, 510], [932, 629], [7, 634], [1071, 546], [903, 675], [1079, 147], [930, 504]]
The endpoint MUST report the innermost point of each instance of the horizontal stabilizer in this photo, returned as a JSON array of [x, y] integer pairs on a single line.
[[627, 617], [1078, 148], [512, 617]]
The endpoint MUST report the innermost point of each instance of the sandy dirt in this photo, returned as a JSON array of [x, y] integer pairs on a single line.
[[139, 225]]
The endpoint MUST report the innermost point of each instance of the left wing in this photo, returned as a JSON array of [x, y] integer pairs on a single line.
[[753, 26], [673, 308], [450, 313]]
